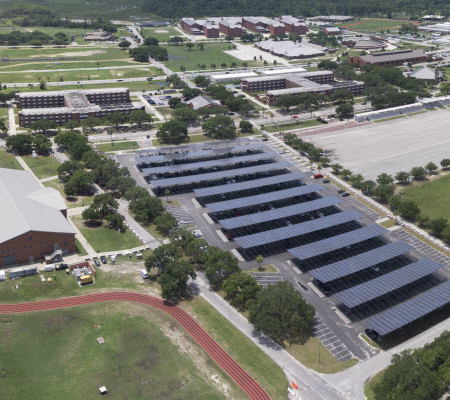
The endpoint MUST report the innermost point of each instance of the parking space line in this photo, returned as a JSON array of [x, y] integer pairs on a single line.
[[341, 351]]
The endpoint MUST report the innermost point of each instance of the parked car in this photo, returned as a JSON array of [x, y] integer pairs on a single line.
[[345, 194], [103, 258], [371, 334], [318, 176], [61, 266], [265, 139], [341, 191], [97, 263], [144, 273], [326, 181], [113, 258]]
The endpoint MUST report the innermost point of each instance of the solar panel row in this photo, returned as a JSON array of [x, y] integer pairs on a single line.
[[256, 183], [337, 242], [262, 198], [275, 235], [283, 212], [208, 164], [186, 180], [387, 283], [410, 310], [360, 262]]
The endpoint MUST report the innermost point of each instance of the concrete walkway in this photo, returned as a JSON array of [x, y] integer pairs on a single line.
[[12, 122], [50, 178], [150, 107]]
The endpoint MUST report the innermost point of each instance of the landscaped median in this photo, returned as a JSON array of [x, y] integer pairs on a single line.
[[292, 125], [7, 160], [117, 146]]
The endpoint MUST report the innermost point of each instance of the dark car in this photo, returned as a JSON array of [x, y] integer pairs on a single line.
[[97, 263], [265, 139], [371, 334], [345, 194], [103, 258], [61, 266], [326, 181], [341, 191]]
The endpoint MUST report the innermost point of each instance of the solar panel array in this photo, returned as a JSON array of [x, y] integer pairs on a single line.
[[337, 242], [360, 262], [275, 235], [197, 154], [283, 212], [256, 183], [262, 198], [410, 310], [208, 164], [186, 180], [387, 283]]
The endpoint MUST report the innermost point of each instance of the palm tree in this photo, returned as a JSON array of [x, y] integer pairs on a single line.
[[259, 259]]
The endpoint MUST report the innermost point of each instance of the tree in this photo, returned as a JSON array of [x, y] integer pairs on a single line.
[[346, 174], [124, 44], [345, 109], [229, 38], [368, 186], [120, 184], [185, 114], [89, 124], [286, 101], [146, 209], [20, 144], [202, 81], [190, 93], [139, 117], [42, 145], [151, 41], [189, 46], [341, 95], [174, 101], [403, 177], [165, 223], [437, 226], [383, 192], [67, 138], [246, 126], [385, 179], [116, 119], [161, 256], [282, 313], [357, 180], [445, 163], [43, 126], [105, 204], [431, 167], [91, 215], [418, 173], [242, 289], [337, 168], [116, 221], [3, 126], [175, 277], [91, 159], [79, 184], [445, 233], [71, 125], [67, 168], [220, 265], [259, 259], [409, 210], [173, 132], [220, 127]]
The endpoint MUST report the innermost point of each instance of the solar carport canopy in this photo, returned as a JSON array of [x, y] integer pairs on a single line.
[[284, 212], [211, 176], [256, 183], [387, 283], [410, 310], [360, 262], [337, 242], [197, 154], [262, 198], [275, 235], [208, 164]]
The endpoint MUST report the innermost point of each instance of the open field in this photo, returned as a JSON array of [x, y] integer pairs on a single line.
[[212, 53], [56, 76], [46, 66], [432, 197], [8, 161], [392, 146], [105, 147], [103, 238], [150, 356], [163, 34], [43, 167], [71, 202], [374, 24]]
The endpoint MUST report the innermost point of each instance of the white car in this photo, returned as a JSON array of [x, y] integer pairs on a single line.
[[184, 222], [144, 273], [197, 233], [282, 152], [113, 258]]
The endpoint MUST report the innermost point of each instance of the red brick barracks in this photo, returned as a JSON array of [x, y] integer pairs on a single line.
[[397, 57], [304, 82], [73, 105]]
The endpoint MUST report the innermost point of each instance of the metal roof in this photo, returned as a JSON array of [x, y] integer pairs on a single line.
[[197, 154], [208, 164], [275, 235], [256, 183], [337, 242], [284, 212], [185, 180], [395, 55], [262, 198], [387, 283], [410, 310], [360, 262]]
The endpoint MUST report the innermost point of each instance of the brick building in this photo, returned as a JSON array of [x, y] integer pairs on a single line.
[[73, 105], [231, 26], [263, 25], [396, 57], [211, 31], [200, 27], [294, 25], [34, 220], [316, 82]]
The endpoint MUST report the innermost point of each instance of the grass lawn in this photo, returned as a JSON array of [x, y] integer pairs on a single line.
[[163, 34], [388, 224], [45, 66], [43, 167], [308, 355], [260, 366], [3, 112], [269, 268], [79, 248], [432, 197], [212, 53], [103, 238], [369, 341], [373, 24], [7, 160], [368, 388], [117, 146], [292, 125], [71, 202], [146, 355]]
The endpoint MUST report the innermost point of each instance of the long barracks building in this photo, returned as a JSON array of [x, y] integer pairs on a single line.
[[316, 82], [73, 105]]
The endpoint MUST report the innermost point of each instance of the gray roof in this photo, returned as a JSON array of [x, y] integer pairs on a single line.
[[201, 101], [385, 56], [25, 206], [426, 73], [64, 92]]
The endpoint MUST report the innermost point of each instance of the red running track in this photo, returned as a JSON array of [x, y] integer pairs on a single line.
[[231, 367]]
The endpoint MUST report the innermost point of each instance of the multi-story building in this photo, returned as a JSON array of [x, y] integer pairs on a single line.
[[264, 25], [34, 220], [291, 50], [231, 26], [396, 57], [200, 27], [316, 82], [335, 19], [211, 31], [99, 36], [73, 105], [294, 25]]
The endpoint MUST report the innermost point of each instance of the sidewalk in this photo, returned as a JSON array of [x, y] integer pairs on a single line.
[[12, 121], [151, 108]]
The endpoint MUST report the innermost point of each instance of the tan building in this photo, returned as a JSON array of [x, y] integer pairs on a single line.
[[99, 36]]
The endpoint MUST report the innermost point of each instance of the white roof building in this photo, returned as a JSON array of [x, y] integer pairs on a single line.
[[290, 49], [426, 73], [200, 101], [232, 76]]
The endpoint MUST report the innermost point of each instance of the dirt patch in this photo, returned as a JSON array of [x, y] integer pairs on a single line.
[[161, 31], [72, 54]]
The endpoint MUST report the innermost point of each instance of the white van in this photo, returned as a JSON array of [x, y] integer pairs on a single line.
[[143, 273]]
